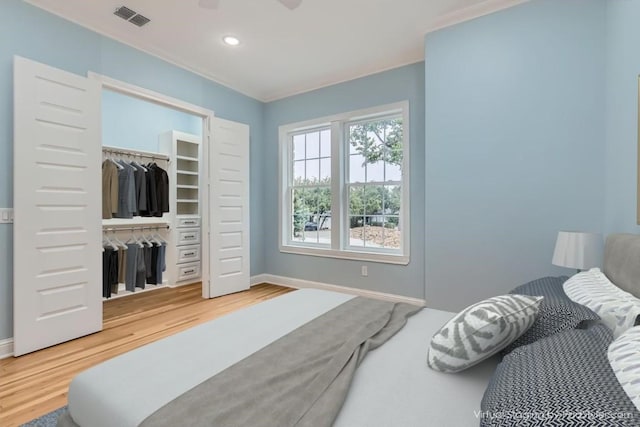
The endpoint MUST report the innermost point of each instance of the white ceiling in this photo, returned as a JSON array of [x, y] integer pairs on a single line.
[[282, 52]]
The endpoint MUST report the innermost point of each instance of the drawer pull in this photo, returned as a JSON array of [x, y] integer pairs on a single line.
[[189, 271], [189, 222], [189, 253], [189, 237]]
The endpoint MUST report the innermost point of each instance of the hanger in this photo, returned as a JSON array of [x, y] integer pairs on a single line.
[[159, 239], [118, 241], [114, 162], [105, 240], [134, 240], [136, 163]]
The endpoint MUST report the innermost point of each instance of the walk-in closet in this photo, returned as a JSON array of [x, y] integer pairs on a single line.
[[151, 175], [118, 190]]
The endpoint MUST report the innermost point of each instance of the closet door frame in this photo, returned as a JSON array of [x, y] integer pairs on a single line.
[[207, 118]]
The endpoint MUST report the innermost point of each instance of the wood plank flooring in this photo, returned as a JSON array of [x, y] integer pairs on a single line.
[[37, 383]]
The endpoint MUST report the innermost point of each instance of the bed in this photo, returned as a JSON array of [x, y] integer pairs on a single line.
[[392, 385]]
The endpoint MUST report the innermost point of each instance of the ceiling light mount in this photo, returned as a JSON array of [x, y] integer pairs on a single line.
[[231, 40]]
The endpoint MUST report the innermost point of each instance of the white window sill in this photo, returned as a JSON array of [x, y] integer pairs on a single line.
[[384, 258]]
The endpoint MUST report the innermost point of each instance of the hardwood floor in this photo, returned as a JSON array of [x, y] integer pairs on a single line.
[[37, 383]]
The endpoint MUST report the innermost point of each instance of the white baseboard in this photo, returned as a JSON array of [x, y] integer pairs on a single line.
[[6, 348], [291, 282]]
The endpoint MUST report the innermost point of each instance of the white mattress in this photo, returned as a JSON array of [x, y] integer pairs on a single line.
[[393, 387]]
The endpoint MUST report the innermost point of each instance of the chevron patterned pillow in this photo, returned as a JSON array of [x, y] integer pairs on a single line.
[[562, 380], [618, 309], [480, 331], [623, 355]]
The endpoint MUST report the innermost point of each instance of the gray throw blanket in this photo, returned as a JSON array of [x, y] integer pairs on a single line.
[[302, 379]]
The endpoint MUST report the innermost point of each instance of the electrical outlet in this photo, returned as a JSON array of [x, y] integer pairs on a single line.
[[365, 271], [6, 215]]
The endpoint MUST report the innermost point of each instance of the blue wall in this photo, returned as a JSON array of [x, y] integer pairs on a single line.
[[30, 32], [515, 140], [406, 83], [623, 67], [130, 122]]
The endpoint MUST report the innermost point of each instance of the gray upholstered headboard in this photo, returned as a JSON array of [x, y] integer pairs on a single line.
[[622, 261]]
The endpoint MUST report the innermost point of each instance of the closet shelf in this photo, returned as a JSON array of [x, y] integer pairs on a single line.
[[191, 159], [188, 187], [135, 222], [179, 172]]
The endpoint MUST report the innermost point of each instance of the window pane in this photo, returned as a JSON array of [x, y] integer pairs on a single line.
[[311, 220], [356, 201], [313, 171], [392, 232], [298, 147], [356, 168], [325, 171], [313, 145], [356, 231], [325, 143], [358, 139], [375, 172], [392, 199], [373, 199], [301, 212], [393, 172], [298, 172], [373, 231]]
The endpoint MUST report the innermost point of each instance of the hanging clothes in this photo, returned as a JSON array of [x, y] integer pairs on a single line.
[[110, 189], [141, 187], [161, 265], [141, 271], [152, 193], [122, 268], [152, 272], [147, 262], [109, 271], [162, 190], [127, 204], [132, 267]]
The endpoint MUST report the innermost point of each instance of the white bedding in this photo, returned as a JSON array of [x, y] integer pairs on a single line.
[[393, 387]]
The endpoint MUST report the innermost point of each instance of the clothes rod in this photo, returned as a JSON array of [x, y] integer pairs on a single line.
[[140, 228], [135, 153]]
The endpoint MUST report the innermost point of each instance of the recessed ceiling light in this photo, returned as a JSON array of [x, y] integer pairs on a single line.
[[231, 40]]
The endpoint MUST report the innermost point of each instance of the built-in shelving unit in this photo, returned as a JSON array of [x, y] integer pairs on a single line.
[[185, 201]]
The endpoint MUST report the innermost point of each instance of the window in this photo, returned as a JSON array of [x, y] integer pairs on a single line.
[[345, 185]]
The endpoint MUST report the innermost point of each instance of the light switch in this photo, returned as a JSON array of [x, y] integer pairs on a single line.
[[6, 215]]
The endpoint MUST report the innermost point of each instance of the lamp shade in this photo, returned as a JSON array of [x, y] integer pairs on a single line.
[[578, 250]]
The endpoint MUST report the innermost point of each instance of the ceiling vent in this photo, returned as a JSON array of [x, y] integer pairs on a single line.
[[131, 16], [139, 20]]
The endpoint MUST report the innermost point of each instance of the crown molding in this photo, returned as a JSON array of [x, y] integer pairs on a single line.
[[472, 12]]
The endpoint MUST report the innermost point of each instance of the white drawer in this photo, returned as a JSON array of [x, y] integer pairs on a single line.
[[188, 271], [188, 222], [188, 236], [188, 254]]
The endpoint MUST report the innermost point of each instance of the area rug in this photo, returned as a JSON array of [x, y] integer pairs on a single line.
[[47, 420]]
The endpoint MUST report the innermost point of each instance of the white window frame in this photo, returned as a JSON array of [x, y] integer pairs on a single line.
[[339, 169]]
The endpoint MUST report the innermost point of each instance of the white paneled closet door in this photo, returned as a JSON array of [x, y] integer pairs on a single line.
[[229, 208], [57, 206]]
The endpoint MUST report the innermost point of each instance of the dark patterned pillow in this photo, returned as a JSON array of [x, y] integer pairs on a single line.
[[557, 312], [563, 380]]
